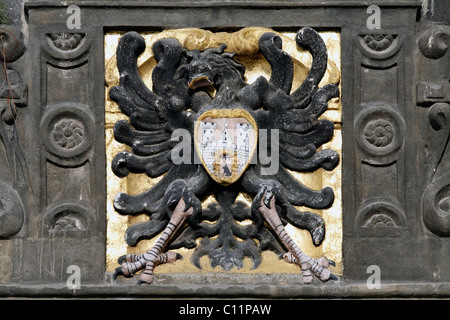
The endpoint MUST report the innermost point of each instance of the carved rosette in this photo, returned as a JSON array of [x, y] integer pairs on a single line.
[[379, 130], [379, 133], [68, 132]]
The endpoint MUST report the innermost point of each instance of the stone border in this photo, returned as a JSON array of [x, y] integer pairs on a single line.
[[343, 290]]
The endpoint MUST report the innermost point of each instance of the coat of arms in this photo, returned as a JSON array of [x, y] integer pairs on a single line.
[[226, 140], [205, 94]]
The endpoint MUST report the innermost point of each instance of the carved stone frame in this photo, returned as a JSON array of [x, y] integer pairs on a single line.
[[378, 90]]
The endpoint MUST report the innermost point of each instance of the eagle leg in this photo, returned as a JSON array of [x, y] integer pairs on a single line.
[[307, 264], [131, 263]]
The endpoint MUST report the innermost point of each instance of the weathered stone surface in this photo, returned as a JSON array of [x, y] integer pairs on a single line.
[[395, 143]]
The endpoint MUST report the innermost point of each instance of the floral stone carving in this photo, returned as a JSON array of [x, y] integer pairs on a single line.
[[67, 133]]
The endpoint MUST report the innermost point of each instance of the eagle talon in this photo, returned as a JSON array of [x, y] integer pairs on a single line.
[[132, 263], [333, 277], [267, 197], [294, 255], [122, 259], [118, 272], [318, 234]]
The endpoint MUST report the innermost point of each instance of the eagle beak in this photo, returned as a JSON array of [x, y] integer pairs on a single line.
[[200, 82]]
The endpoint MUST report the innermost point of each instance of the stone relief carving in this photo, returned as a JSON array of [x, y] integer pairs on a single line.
[[186, 85], [433, 93], [13, 95], [66, 41], [380, 214], [379, 47], [436, 198], [68, 132], [379, 133], [67, 50], [379, 130], [69, 217], [379, 42]]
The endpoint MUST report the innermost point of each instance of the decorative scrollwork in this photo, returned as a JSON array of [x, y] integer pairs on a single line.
[[13, 95], [12, 43], [436, 198], [436, 206]]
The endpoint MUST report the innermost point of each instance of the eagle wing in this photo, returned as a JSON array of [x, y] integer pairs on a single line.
[[153, 116], [295, 115]]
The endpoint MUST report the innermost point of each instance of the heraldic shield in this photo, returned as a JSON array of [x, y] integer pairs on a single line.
[[225, 142]]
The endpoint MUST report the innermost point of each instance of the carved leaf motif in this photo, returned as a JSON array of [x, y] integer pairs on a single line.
[[380, 221], [379, 42], [68, 224], [66, 41]]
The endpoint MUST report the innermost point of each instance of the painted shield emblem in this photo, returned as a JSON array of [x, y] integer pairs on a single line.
[[225, 142]]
